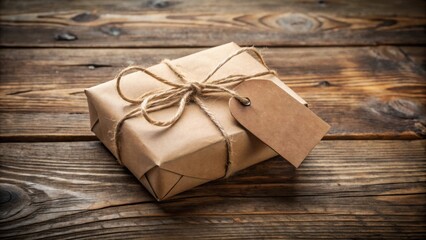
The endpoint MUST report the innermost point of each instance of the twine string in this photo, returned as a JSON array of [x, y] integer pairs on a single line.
[[180, 94]]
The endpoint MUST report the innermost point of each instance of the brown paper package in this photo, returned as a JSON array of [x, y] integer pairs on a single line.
[[170, 160]]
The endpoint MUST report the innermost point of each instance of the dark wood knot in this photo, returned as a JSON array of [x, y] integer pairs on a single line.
[[65, 36], [111, 30], [85, 17], [324, 84], [12, 200], [159, 3]]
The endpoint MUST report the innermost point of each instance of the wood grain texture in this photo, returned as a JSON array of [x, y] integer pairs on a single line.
[[350, 8], [344, 189], [163, 23], [417, 55], [364, 93]]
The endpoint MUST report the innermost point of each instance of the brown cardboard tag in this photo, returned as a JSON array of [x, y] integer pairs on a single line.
[[280, 121]]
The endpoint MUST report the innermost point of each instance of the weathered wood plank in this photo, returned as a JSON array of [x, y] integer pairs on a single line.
[[352, 8], [208, 23], [364, 93], [344, 189]]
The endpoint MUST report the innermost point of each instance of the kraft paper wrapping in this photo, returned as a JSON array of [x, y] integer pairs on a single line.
[[170, 160]]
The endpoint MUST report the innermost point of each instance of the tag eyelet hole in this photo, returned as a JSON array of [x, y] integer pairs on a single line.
[[247, 102]]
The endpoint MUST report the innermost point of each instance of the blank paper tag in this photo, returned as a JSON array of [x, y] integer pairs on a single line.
[[279, 120]]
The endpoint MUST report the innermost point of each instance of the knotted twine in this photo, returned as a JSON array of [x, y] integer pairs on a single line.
[[181, 94]]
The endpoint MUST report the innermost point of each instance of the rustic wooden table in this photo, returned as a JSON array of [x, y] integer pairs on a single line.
[[360, 65]]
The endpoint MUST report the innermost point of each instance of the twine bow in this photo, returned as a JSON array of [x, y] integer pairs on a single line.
[[181, 94]]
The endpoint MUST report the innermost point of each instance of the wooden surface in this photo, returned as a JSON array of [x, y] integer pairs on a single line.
[[163, 23], [344, 189], [360, 65]]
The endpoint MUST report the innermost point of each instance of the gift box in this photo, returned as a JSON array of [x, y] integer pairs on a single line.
[[191, 151]]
